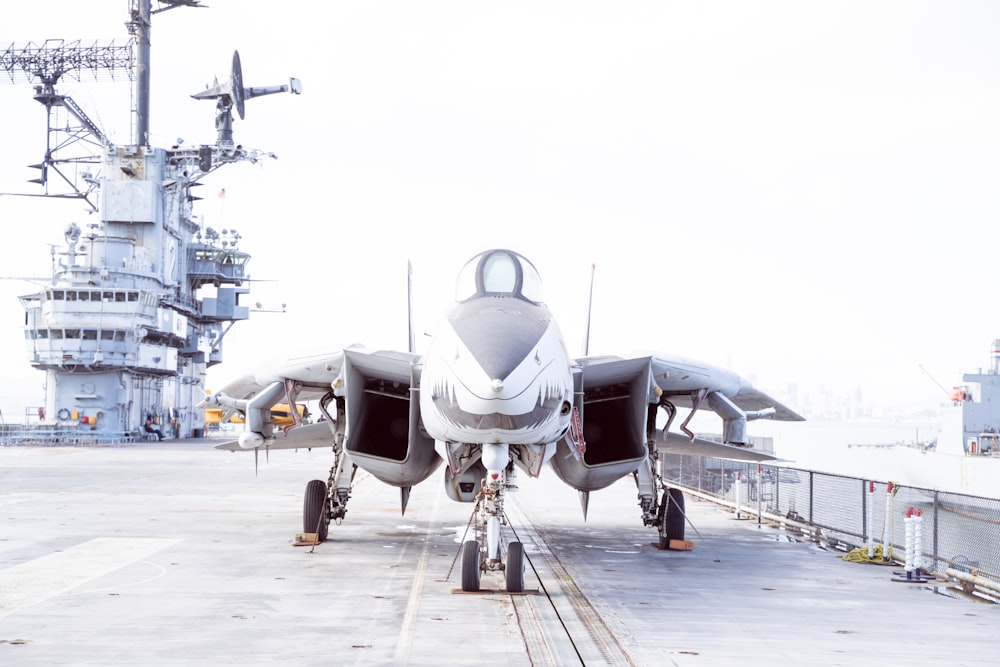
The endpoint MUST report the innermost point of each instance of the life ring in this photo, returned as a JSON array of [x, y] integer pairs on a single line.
[[63, 414]]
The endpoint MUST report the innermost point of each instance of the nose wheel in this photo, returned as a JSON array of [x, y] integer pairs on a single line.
[[483, 554], [515, 567], [470, 566]]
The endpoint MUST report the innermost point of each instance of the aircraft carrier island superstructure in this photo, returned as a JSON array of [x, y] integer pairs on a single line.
[[121, 332], [142, 295]]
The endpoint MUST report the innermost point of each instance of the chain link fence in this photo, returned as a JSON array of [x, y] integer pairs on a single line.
[[958, 532]]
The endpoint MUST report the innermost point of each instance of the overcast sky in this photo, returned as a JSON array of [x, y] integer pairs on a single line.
[[804, 192]]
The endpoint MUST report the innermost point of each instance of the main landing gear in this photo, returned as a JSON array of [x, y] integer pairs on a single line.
[[483, 553], [667, 514], [327, 501]]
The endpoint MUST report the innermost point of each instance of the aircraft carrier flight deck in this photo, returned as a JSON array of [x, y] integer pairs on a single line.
[[175, 553]]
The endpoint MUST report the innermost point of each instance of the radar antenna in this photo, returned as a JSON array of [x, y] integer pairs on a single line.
[[55, 59], [233, 93], [47, 64]]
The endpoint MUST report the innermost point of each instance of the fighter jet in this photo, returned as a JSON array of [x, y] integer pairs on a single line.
[[497, 393]]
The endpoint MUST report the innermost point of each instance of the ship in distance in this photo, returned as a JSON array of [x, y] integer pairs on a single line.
[[496, 393]]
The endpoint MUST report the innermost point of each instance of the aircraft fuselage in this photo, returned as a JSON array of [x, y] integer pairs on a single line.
[[498, 371]]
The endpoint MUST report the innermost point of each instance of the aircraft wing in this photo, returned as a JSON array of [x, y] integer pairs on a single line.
[[304, 437], [676, 443], [680, 379], [313, 374], [311, 377]]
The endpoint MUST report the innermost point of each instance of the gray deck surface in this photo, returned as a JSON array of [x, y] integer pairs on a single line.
[[176, 554]]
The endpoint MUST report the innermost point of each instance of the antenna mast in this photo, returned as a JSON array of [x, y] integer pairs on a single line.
[[140, 12]]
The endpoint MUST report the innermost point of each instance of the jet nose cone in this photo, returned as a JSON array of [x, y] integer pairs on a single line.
[[496, 385]]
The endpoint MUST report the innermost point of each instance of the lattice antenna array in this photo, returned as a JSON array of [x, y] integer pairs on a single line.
[[56, 58]]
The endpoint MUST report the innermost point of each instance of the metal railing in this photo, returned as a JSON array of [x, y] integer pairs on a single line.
[[959, 531], [12, 435]]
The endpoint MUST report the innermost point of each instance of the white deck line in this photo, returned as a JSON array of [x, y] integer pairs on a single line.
[[42, 578]]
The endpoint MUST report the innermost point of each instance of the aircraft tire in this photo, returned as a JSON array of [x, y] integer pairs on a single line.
[[470, 566], [674, 521], [314, 509], [515, 567], [661, 523]]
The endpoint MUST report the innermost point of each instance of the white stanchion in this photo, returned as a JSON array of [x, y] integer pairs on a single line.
[[871, 520]]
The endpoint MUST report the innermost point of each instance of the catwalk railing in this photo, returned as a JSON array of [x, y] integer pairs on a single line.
[[958, 531]]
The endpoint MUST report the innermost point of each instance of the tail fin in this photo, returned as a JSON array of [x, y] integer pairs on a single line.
[[590, 301], [409, 305]]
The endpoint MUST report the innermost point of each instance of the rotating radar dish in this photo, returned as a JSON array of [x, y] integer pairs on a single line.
[[233, 93], [236, 84]]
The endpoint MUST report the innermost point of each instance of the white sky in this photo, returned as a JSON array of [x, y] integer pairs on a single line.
[[804, 192]]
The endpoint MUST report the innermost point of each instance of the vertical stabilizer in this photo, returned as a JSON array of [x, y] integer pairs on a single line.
[[590, 301], [409, 305]]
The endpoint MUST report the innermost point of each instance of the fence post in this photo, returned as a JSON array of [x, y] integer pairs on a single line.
[[868, 520], [777, 484], [738, 495], [811, 495], [887, 541], [936, 525], [864, 514], [760, 492]]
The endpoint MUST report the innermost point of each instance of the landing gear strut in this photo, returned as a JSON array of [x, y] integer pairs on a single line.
[[327, 501], [667, 515], [483, 553]]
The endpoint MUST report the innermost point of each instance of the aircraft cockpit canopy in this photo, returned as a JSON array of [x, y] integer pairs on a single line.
[[499, 273]]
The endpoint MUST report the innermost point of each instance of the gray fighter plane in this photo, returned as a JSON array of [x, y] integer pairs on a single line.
[[497, 392]]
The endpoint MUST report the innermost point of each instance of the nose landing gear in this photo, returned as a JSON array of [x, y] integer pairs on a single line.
[[483, 553]]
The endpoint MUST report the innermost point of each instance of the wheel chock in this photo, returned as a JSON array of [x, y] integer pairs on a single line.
[[306, 540], [680, 545]]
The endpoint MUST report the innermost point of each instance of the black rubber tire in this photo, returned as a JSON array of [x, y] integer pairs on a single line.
[[674, 523], [470, 566], [314, 509], [661, 523], [515, 567]]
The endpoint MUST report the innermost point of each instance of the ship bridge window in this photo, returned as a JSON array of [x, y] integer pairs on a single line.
[[72, 333], [120, 336], [90, 334], [120, 297], [43, 333], [107, 334], [58, 295], [109, 296], [71, 296], [57, 334], [84, 296], [133, 296]]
